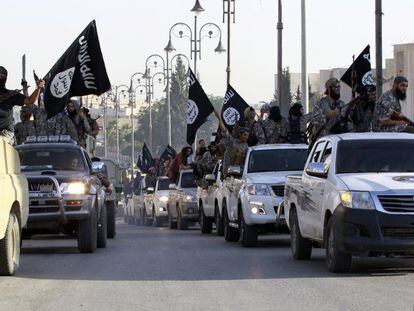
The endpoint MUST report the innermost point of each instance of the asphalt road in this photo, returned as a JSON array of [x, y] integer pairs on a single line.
[[158, 269]]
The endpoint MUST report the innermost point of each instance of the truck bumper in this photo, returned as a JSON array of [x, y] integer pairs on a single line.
[[269, 209], [190, 211], [370, 232]]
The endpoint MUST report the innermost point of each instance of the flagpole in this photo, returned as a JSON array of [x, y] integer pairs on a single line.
[[117, 123], [378, 45], [279, 57], [304, 80]]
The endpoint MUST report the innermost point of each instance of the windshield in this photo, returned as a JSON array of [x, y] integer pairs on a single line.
[[187, 180], [59, 159], [277, 160], [163, 184], [375, 156]]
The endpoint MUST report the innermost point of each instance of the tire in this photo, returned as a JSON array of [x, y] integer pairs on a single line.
[[181, 223], [10, 246], [147, 221], [102, 229], [156, 222], [111, 216], [206, 224], [219, 222], [230, 234], [171, 223], [87, 233], [301, 248], [248, 234], [336, 260]]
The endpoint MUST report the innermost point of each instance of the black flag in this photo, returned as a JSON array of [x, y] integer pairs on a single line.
[[360, 73], [233, 108], [145, 160], [79, 71], [168, 152], [199, 108]]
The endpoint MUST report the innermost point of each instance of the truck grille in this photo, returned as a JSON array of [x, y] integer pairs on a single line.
[[279, 190], [398, 233], [43, 198], [399, 204]]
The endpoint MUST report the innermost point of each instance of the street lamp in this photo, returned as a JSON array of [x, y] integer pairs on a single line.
[[196, 35], [118, 91]]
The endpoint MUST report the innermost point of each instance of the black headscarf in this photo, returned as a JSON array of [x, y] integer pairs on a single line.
[[295, 110], [275, 114], [3, 77]]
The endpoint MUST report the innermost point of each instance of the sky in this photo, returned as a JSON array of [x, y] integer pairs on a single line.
[[130, 31]]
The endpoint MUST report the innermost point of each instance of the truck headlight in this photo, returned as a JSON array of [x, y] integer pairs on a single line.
[[356, 199], [258, 189], [163, 199], [73, 188], [188, 198]]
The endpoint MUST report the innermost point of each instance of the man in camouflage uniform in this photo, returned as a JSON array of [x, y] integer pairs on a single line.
[[274, 127], [25, 127], [361, 110], [151, 178], [256, 133], [328, 111], [209, 159], [388, 110]]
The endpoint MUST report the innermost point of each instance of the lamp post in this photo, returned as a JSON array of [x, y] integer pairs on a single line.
[[104, 105], [229, 11], [196, 35], [118, 91]]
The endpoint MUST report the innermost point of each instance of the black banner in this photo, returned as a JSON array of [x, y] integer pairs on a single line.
[[79, 71], [233, 108], [145, 160], [199, 108], [168, 152], [360, 73]]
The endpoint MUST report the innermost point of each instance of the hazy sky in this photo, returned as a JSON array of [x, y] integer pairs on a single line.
[[132, 30]]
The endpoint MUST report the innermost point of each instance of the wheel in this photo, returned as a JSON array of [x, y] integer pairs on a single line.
[[87, 233], [181, 223], [111, 216], [248, 234], [171, 223], [219, 222], [156, 222], [231, 234], [147, 221], [10, 246], [336, 260], [301, 247], [206, 224], [102, 229]]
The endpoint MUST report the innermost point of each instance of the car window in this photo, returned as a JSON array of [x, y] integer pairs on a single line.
[[187, 180], [277, 160], [163, 184], [316, 155], [327, 152]]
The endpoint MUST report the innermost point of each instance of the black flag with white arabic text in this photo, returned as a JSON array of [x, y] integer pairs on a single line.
[[362, 72], [79, 71], [168, 152], [199, 108], [145, 160], [233, 108]]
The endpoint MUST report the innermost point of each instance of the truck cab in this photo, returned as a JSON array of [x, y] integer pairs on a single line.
[[14, 208], [252, 194], [354, 198]]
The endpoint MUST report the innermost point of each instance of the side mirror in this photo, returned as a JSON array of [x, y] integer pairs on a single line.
[[316, 169], [98, 167], [234, 171], [129, 196], [172, 187], [210, 178], [150, 190]]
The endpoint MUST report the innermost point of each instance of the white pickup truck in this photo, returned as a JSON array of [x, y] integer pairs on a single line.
[[252, 196], [355, 198], [155, 203]]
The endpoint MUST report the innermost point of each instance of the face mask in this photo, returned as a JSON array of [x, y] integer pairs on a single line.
[[3, 82]]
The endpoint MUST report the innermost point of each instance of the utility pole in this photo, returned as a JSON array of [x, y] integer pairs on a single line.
[[378, 46], [104, 102], [227, 12], [117, 123], [279, 58], [304, 80]]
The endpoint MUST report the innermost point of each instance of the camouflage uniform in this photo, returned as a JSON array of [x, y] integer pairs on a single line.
[[235, 153], [61, 124], [41, 123], [256, 134], [361, 114], [207, 162], [303, 123], [150, 180], [383, 111], [24, 129], [320, 121], [275, 131]]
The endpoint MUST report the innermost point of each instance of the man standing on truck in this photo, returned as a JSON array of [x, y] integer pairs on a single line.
[[361, 110], [388, 110], [25, 127], [9, 99], [329, 112]]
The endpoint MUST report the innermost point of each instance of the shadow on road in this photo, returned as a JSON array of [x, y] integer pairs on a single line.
[[160, 254]]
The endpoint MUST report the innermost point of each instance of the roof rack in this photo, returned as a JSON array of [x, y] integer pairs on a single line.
[[50, 139]]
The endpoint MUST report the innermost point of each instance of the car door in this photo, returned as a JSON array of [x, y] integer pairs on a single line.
[[309, 200]]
